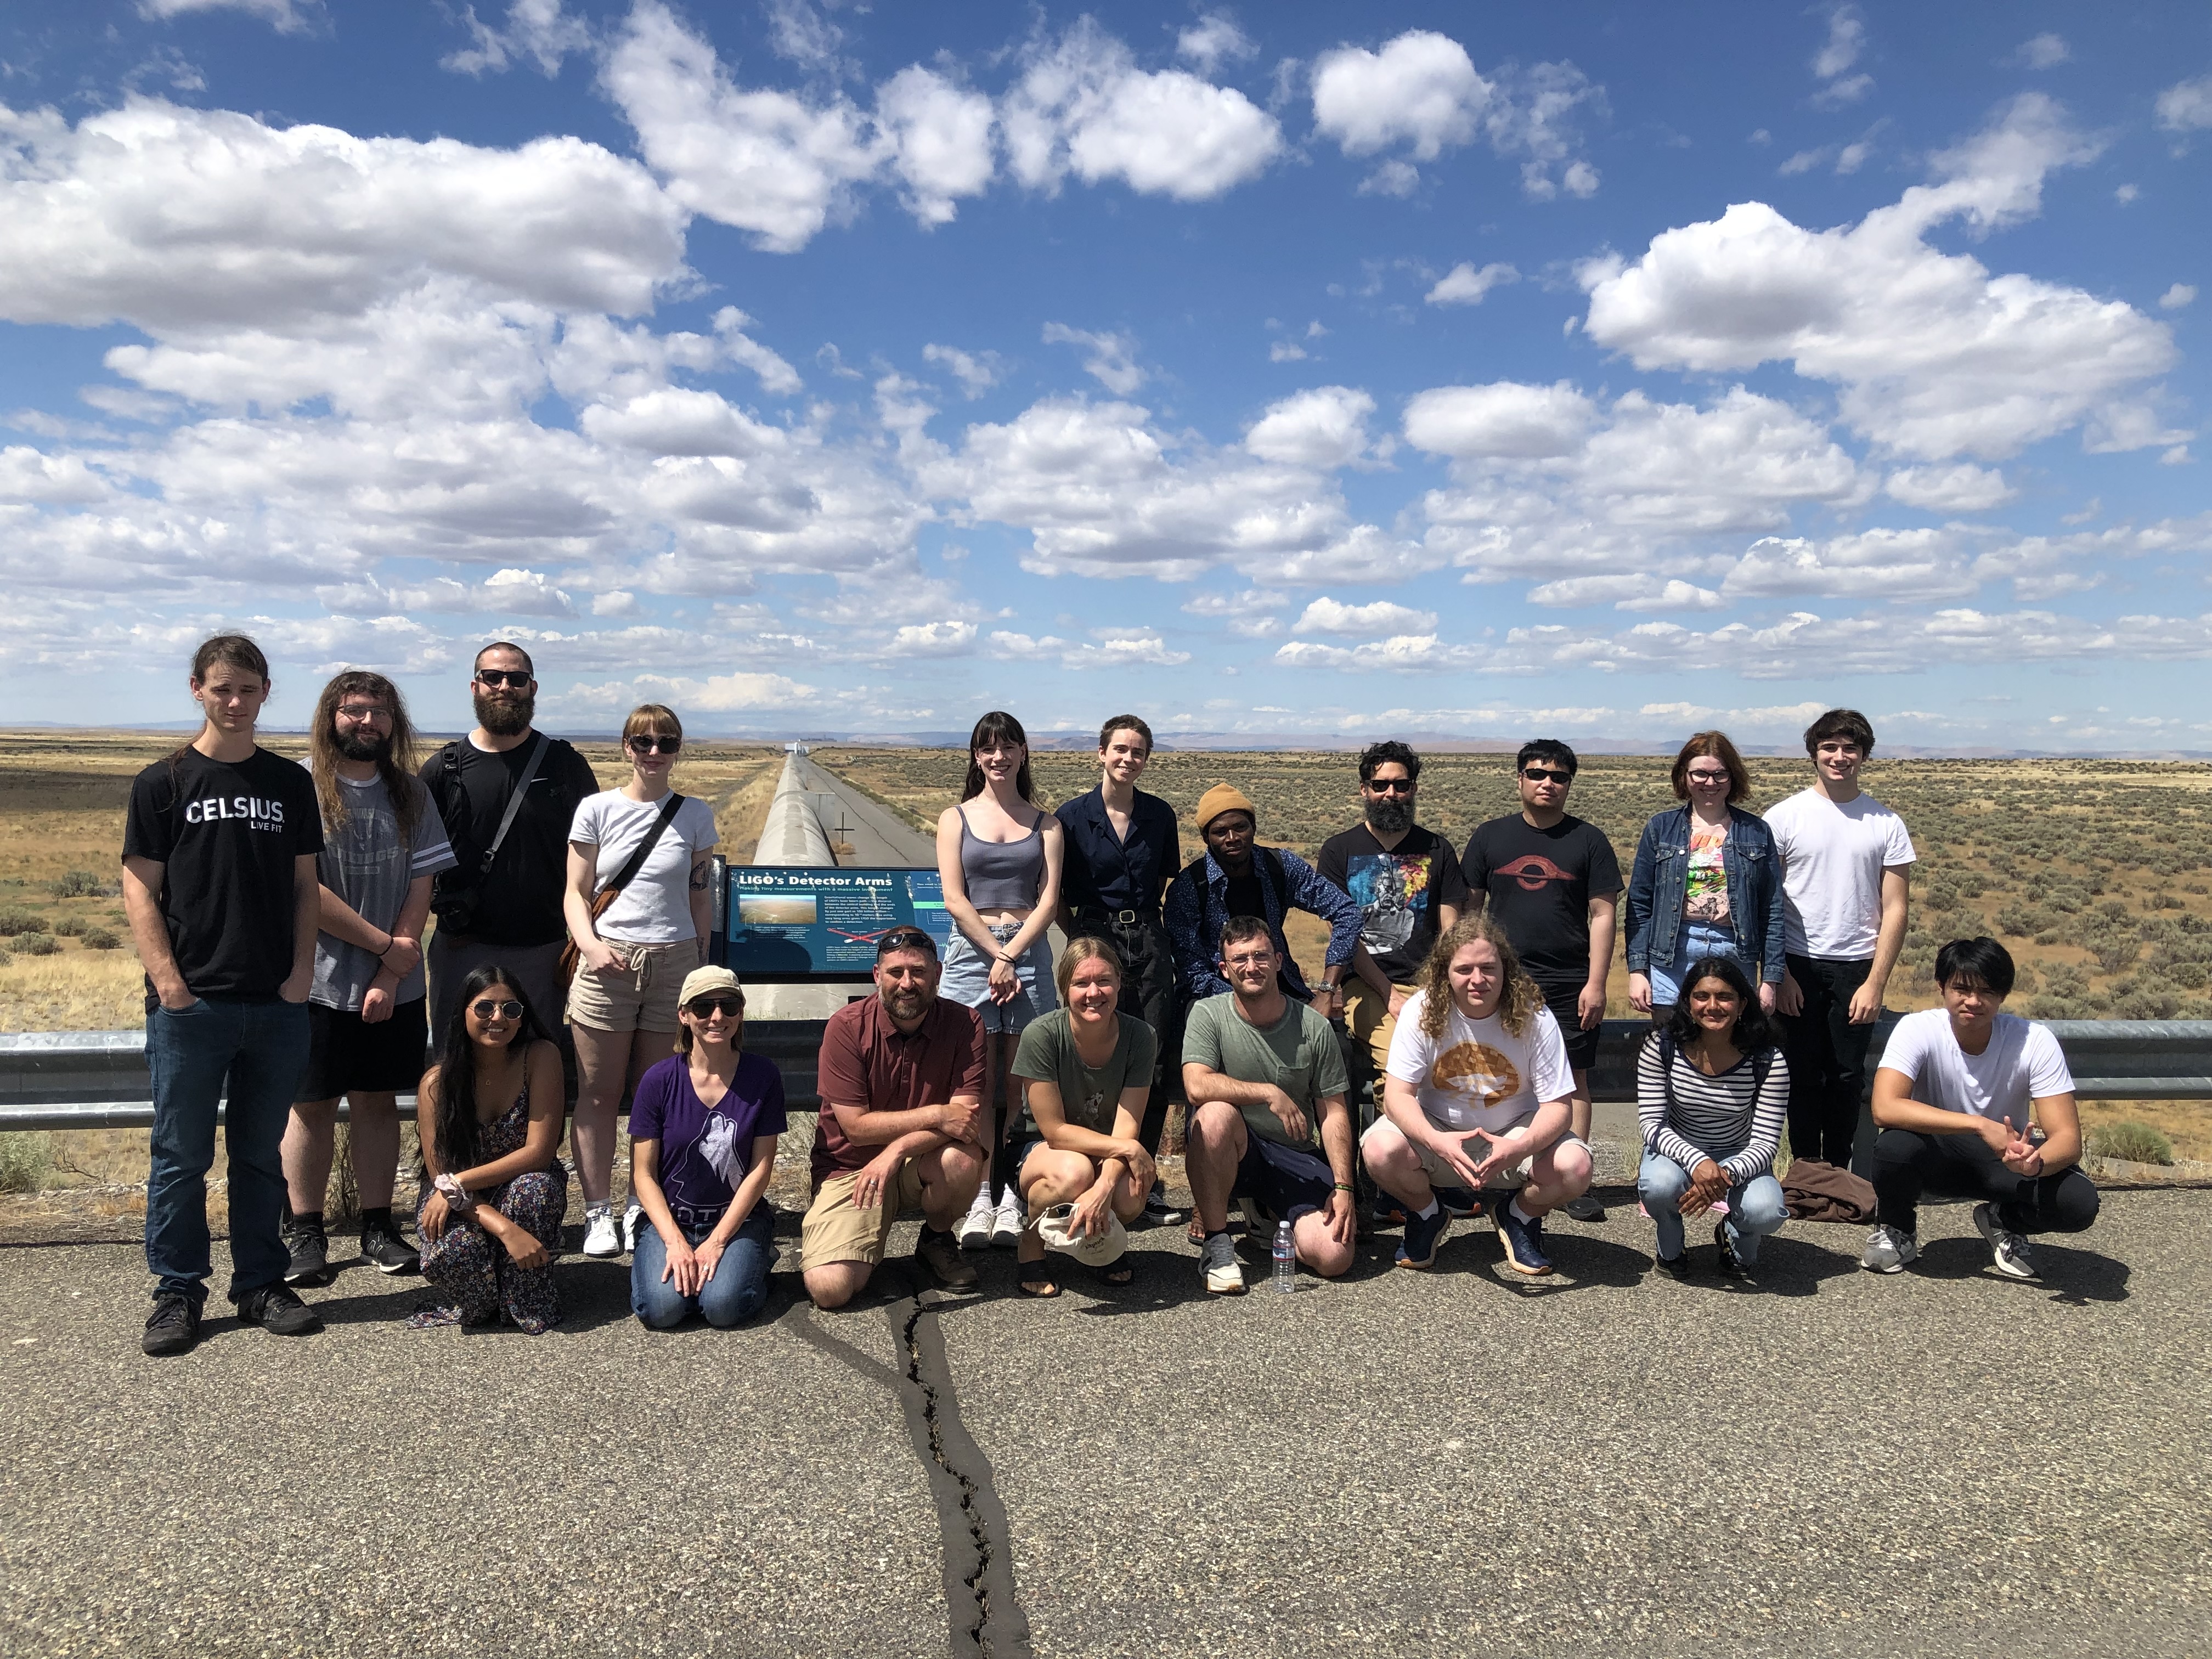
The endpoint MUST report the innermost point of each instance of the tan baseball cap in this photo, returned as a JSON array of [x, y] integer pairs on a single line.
[[700, 981]]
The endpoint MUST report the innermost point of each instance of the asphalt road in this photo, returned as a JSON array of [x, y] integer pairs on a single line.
[[1833, 1462]]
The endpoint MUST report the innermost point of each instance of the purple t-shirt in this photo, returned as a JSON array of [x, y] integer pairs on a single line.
[[705, 1153]]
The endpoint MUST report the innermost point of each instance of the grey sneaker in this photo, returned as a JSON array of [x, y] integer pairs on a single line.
[[310, 1251], [1888, 1249], [1218, 1264], [278, 1310], [2009, 1250]]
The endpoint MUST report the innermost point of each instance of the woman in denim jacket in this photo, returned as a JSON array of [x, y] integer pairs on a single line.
[[1706, 883]]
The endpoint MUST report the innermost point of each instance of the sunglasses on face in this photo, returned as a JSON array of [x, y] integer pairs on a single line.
[[707, 1007], [487, 1007], [495, 678], [1390, 786], [1547, 774], [645, 744]]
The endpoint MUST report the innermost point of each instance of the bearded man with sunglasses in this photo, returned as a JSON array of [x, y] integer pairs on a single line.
[[500, 906], [1552, 880]]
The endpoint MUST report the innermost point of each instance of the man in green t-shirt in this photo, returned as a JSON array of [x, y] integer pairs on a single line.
[[1265, 1083]]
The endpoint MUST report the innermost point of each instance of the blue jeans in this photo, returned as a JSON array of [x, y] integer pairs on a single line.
[[732, 1297], [1755, 1207], [1697, 940], [261, 1050]]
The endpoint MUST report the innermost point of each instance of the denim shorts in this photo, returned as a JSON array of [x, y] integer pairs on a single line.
[[1697, 941], [967, 981]]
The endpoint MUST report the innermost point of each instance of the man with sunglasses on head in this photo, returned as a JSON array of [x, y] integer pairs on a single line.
[[901, 1076], [501, 904], [1551, 880]]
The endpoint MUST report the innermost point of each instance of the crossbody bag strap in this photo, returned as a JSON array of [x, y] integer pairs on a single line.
[[513, 800], [627, 873]]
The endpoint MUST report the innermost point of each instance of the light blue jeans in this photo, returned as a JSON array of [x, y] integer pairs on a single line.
[[732, 1297], [1755, 1207], [1697, 941]]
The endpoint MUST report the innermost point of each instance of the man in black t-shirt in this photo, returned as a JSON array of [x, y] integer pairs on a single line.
[[507, 913], [220, 884], [1552, 881], [1406, 881]]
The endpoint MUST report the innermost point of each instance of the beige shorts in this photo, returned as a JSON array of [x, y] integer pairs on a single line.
[[1370, 1021], [838, 1229], [641, 998], [1442, 1174]]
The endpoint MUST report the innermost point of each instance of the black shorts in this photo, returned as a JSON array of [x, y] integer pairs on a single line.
[[1283, 1180], [1560, 997], [345, 1053]]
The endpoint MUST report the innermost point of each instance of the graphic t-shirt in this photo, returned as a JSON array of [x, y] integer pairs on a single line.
[[1398, 892], [1705, 892], [227, 833], [655, 908], [1833, 857], [1540, 884], [1299, 1054], [365, 864], [518, 900], [705, 1150], [2022, 1063], [1476, 1074], [1088, 1095]]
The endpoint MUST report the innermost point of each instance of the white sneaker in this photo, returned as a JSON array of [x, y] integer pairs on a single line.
[[633, 1218], [974, 1229], [1013, 1217], [601, 1238], [1218, 1267], [1888, 1249], [2011, 1256]]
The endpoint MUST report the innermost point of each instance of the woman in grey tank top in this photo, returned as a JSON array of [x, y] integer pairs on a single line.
[[999, 853]]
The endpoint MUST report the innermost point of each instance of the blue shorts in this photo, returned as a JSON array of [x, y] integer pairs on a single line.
[[967, 981], [1286, 1181], [1697, 941]]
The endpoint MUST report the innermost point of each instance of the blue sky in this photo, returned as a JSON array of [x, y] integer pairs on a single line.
[[1605, 371]]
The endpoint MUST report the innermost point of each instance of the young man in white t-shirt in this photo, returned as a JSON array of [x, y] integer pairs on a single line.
[[1477, 1095], [1954, 1097], [1844, 860]]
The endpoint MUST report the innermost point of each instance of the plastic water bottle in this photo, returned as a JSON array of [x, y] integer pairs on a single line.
[[1286, 1260]]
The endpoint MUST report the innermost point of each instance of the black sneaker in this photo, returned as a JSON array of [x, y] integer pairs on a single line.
[[173, 1327], [1675, 1266], [1158, 1212], [310, 1249], [386, 1250], [278, 1310], [1585, 1208], [940, 1253]]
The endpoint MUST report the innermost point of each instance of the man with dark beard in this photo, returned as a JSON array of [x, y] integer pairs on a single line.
[[382, 846], [506, 794], [1407, 883]]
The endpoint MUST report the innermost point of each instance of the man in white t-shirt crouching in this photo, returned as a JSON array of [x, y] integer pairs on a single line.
[[1476, 1099], [1954, 1096]]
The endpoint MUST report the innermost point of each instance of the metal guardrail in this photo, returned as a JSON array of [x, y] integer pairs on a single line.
[[98, 1079]]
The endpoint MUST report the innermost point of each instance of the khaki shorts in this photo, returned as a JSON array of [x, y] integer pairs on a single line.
[[838, 1229], [1368, 1019], [1442, 1174], [642, 998]]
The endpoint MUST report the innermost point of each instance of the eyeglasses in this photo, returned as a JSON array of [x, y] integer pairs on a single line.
[[362, 713], [487, 1007], [1390, 786], [646, 743], [495, 678], [1547, 774], [707, 1007], [1709, 777]]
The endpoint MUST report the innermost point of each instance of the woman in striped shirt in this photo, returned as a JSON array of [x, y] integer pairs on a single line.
[[1712, 1089]]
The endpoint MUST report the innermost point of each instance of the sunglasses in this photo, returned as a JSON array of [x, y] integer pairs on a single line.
[[487, 1007], [1390, 786], [1547, 774], [644, 743], [707, 1007], [905, 939], [495, 678]]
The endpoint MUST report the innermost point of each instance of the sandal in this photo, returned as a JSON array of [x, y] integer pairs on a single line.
[[1120, 1275], [1037, 1281]]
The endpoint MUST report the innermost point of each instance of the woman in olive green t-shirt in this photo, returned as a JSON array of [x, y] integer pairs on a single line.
[[1086, 1071]]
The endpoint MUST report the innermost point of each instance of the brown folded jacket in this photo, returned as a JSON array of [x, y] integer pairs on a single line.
[[1813, 1191]]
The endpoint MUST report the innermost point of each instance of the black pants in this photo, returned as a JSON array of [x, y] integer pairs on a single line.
[[1907, 1162], [1827, 1059], [1148, 992]]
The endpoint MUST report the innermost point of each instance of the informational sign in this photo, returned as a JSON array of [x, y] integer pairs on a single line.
[[795, 924]]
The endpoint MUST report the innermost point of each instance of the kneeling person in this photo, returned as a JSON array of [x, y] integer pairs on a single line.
[[1478, 1094], [901, 1080], [1086, 1073], [1266, 1081], [1953, 1098]]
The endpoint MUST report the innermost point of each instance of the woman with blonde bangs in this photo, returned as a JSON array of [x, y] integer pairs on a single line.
[[1476, 1099], [640, 859], [1086, 1073]]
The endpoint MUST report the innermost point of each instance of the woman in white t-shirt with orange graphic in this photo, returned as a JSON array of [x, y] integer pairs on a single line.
[[1476, 1102]]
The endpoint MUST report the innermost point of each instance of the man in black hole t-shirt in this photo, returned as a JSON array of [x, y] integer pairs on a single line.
[[220, 884]]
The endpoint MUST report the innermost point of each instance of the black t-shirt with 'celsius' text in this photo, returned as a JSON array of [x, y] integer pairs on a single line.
[[226, 833]]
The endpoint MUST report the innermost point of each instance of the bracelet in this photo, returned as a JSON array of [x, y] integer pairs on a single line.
[[1341, 1186], [391, 943]]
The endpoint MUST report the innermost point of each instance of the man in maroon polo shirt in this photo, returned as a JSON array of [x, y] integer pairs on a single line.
[[902, 1079]]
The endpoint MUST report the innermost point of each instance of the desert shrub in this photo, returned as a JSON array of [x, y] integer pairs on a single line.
[[2115, 953], [1942, 897], [37, 944], [6, 960], [81, 883], [100, 938], [22, 1161], [2192, 975], [69, 927], [2148, 1002], [2047, 1007], [2135, 1141], [2023, 920], [15, 921], [2167, 901]]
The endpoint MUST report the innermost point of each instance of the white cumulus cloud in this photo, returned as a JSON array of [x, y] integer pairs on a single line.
[[1323, 428], [1378, 620], [1463, 285]]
